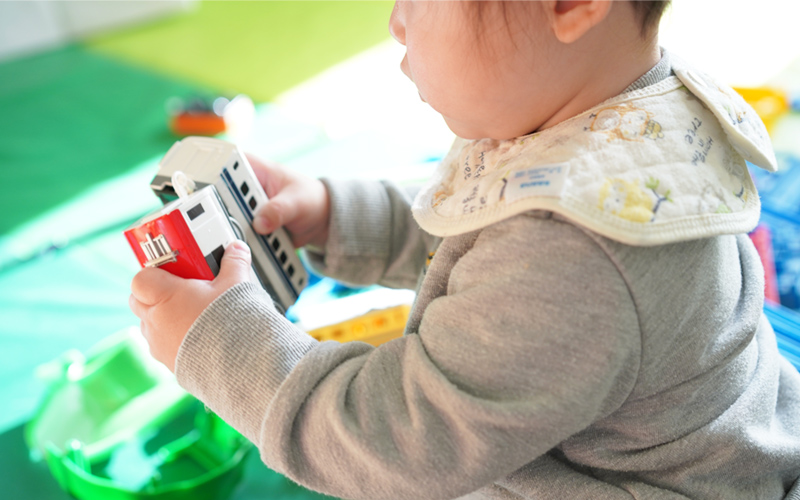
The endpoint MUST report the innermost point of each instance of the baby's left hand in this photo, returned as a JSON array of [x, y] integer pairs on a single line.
[[168, 305]]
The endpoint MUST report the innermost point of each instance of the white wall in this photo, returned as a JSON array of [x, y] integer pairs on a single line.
[[741, 42], [28, 26]]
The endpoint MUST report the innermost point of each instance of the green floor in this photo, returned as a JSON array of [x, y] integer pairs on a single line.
[[73, 118], [78, 115], [82, 127]]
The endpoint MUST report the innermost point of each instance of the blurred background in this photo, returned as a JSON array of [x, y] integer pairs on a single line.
[[89, 96]]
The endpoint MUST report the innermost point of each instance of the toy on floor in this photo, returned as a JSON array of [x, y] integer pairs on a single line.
[[786, 249], [780, 216], [375, 327], [211, 195], [116, 424], [330, 310], [786, 324], [762, 240], [210, 116], [770, 103]]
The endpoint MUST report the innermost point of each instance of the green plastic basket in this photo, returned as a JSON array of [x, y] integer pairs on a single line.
[[115, 425]]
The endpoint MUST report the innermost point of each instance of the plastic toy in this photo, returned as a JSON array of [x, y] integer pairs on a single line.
[[780, 191], [762, 240], [786, 324], [210, 117], [116, 425], [375, 327], [187, 237], [780, 214], [198, 163], [770, 103], [786, 249]]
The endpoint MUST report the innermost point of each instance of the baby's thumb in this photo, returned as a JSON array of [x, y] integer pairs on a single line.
[[235, 265]]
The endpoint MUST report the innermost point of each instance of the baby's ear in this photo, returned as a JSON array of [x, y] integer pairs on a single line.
[[571, 19]]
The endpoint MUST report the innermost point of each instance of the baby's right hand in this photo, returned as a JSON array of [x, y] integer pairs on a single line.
[[298, 203]]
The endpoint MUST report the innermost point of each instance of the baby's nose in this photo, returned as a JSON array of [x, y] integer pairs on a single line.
[[397, 27]]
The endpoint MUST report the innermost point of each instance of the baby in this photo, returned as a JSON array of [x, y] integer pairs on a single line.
[[588, 321]]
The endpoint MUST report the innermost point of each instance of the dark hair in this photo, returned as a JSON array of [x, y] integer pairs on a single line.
[[649, 12]]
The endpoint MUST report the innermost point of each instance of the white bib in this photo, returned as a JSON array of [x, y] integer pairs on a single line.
[[661, 164]]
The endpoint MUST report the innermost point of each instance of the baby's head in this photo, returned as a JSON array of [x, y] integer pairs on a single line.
[[504, 69]]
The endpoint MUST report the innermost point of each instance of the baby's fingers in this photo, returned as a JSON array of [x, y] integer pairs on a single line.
[[278, 211], [271, 176]]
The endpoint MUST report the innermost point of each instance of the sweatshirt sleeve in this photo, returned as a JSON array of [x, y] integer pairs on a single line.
[[535, 338], [373, 237]]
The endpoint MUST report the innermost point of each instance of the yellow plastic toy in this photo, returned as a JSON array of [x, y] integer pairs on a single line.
[[769, 103], [374, 327]]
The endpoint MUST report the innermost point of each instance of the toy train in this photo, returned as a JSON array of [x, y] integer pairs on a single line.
[[210, 195]]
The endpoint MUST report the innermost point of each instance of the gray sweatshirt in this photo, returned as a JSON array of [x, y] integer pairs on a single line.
[[574, 367]]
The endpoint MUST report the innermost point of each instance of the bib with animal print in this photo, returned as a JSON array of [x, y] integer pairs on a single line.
[[661, 164]]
